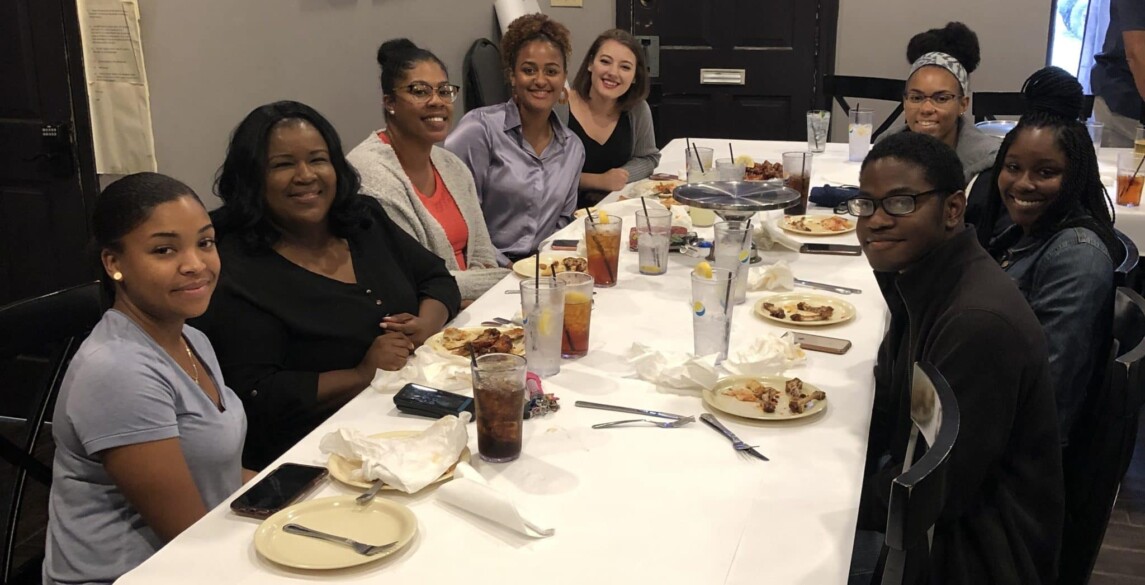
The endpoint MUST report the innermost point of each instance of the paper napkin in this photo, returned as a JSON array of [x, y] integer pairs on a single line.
[[768, 355], [768, 236], [778, 276], [673, 369], [429, 367], [470, 492], [406, 463]]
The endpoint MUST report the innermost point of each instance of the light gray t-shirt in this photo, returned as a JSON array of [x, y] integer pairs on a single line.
[[121, 389]]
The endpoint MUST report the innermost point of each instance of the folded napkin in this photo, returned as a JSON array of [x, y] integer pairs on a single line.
[[778, 276], [829, 196], [768, 355], [768, 236], [406, 463], [673, 369], [429, 367], [470, 492], [680, 216]]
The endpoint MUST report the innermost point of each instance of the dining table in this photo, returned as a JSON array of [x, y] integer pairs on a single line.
[[630, 504]]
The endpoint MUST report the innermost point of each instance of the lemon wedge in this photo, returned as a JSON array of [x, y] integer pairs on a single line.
[[704, 269], [601, 216], [744, 160], [545, 323], [649, 268]]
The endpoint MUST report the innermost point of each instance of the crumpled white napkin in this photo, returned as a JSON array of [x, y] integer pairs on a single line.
[[673, 369], [470, 492], [680, 216], [767, 236], [406, 463], [766, 356], [778, 276], [429, 367]]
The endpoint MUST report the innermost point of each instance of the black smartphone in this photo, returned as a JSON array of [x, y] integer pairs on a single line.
[[283, 486], [430, 402], [839, 249], [821, 343], [565, 244]]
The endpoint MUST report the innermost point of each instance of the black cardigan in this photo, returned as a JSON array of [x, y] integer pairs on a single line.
[[1003, 517], [275, 325]]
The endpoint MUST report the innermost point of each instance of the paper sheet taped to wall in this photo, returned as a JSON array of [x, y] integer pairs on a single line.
[[117, 86]]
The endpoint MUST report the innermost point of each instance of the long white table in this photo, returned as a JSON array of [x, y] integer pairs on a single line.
[[629, 505]]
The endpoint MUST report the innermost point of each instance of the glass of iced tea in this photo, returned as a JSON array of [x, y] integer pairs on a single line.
[[578, 313], [499, 396], [602, 238], [1130, 178], [797, 176]]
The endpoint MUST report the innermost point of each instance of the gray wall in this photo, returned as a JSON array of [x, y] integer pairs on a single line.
[[212, 61]]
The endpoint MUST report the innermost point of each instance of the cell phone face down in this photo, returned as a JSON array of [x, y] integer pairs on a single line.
[[838, 249], [274, 492], [565, 244], [821, 343], [425, 401]]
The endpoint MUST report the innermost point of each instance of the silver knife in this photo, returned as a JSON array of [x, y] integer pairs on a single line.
[[829, 287], [736, 441], [586, 404]]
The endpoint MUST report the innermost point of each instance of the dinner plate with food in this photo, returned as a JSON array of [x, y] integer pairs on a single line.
[[816, 225], [457, 340], [807, 309], [345, 470], [766, 397], [550, 265]]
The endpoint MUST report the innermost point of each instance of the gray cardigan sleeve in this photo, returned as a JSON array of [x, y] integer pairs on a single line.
[[645, 155]]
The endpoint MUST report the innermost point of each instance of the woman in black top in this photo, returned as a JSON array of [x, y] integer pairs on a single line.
[[321, 289]]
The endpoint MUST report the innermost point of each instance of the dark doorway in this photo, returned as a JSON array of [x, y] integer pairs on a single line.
[[734, 68], [47, 166]]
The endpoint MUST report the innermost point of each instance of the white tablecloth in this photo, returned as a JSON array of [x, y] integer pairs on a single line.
[[629, 505]]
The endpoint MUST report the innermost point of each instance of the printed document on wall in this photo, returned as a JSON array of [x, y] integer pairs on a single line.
[[117, 86]]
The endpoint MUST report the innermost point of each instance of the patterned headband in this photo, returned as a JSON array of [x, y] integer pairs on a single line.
[[946, 62]]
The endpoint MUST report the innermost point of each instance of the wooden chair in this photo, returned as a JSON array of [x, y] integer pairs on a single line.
[[840, 87], [48, 328], [1101, 442], [988, 105], [919, 494]]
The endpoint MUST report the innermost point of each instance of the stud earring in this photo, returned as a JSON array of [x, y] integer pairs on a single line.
[[564, 99], [117, 277], [390, 112]]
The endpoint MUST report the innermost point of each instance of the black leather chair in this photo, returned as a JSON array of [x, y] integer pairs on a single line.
[[48, 328], [841, 87], [988, 105], [919, 494], [1127, 274], [1101, 442], [483, 75]]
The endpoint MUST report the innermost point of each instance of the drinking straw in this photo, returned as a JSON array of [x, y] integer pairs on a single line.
[[648, 222], [1129, 183], [472, 357], [699, 163], [537, 276], [732, 153]]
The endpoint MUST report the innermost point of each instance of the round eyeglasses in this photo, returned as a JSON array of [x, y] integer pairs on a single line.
[[422, 92], [897, 205]]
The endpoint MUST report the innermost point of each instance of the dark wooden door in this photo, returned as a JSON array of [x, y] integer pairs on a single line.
[[47, 169], [775, 53]]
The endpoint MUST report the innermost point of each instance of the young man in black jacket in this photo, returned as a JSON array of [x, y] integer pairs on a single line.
[[951, 305]]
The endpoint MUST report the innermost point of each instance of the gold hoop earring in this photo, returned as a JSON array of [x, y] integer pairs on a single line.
[[117, 277]]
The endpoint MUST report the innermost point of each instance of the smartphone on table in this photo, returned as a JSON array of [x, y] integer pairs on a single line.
[[286, 484], [821, 343], [838, 249], [565, 245]]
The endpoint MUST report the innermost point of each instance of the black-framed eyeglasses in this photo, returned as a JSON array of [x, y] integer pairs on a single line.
[[422, 92], [939, 99], [897, 205]]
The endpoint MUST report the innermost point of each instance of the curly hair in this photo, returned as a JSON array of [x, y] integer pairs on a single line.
[[396, 56], [954, 39], [1054, 99], [638, 92], [939, 163], [241, 181], [534, 27]]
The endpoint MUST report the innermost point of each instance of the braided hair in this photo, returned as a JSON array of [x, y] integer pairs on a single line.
[[1054, 99]]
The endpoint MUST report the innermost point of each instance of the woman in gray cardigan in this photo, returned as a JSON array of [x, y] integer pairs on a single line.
[[426, 189], [608, 113]]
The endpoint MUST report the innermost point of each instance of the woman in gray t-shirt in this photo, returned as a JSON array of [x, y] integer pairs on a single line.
[[148, 438]]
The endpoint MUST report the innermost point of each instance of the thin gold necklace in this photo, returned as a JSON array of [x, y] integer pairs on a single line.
[[191, 356]]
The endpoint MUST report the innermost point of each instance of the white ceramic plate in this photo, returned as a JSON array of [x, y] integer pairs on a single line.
[[716, 399], [343, 470], [814, 224], [525, 267], [381, 522], [843, 311]]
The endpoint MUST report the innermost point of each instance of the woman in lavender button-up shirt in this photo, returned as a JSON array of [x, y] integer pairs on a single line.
[[526, 163]]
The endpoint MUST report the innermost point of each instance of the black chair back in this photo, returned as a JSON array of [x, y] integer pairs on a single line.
[[50, 328], [841, 87], [919, 494], [988, 105], [1126, 274], [483, 75], [1102, 440]]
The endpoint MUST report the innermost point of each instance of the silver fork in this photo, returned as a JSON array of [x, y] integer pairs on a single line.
[[664, 425], [741, 447], [368, 497], [359, 547], [499, 322]]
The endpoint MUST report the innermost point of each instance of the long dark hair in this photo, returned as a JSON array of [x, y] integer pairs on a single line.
[[123, 206], [241, 181], [1054, 98], [638, 91]]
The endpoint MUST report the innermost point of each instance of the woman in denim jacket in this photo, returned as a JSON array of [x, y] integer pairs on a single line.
[[1061, 249]]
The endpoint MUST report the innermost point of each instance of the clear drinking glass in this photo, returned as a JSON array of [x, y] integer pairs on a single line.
[[543, 309], [499, 399], [653, 231], [1130, 178], [578, 313], [797, 176], [603, 242], [859, 129], [733, 253], [712, 313], [728, 170], [1095, 131], [700, 169], [818, 122]]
